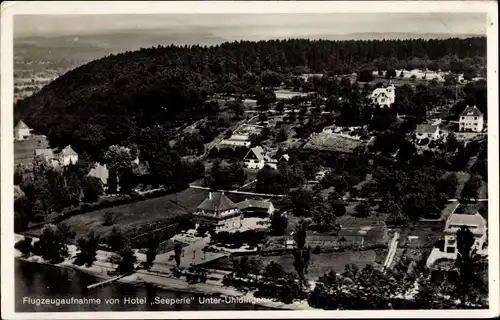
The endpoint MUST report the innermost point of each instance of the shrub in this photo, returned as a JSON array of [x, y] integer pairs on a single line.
[[317, 250], [109, 218]]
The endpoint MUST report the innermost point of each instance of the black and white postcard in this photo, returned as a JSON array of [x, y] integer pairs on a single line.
[[207, 159]]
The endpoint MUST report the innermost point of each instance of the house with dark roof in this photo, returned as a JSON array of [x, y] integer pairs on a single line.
[[220, 212], [251, 207], [257, 158], [476, 224], [426, 131], [471, 119], [21, 131]]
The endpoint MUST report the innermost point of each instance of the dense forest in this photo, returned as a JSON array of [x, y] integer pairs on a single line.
[[114, 99]]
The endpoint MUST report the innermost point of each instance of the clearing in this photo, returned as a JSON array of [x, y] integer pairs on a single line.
[[332, 142], [138, 214]]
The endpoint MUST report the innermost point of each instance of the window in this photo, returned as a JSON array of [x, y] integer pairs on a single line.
[[463, 118], [450, 250], [475, 118]]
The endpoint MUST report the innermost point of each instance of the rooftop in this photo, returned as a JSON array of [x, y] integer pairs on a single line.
[[100, 171], [475, 222], [471, 111], [21, 125], [426, 128], [251, 203], [217, 201]]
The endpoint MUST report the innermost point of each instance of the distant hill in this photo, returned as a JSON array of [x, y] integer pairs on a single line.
[[114, 98], [84, 48]]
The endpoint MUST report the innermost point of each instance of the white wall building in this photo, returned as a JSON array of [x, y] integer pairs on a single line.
[[257, 158], [425, 131], [384, 97], [219, 211], [471, 119], [476, 224], [22, 131], [68, 156]]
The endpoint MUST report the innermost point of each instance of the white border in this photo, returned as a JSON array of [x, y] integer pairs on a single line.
[[9, 9]]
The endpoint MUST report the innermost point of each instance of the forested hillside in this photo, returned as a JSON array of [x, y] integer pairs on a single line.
[[110, 100]]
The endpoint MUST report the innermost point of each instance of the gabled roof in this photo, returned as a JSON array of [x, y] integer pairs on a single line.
[[21, 125], [475, 222], [217, 201], [471, 111], [100, 171], [47, 153], [68, 151], [426, 128], [258, 151], [251, 203]]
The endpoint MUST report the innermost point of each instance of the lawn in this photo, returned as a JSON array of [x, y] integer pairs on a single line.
[[331, 142], [319, 265], [134, 215]]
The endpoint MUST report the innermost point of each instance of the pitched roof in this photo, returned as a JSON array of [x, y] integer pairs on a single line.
[[100, 171], [68, 151], [472, 111], [426, 128], [47, 153], [21, 125], [476, 221], [251, 203], [258, 151], [217, 201]]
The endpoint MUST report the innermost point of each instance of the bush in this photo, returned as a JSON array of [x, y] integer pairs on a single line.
[[317, 250], [109, 218]]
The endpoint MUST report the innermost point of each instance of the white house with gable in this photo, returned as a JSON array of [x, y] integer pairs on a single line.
[[471, 119], [257, 158], [425, 131], [22, 131], [476, 224], [384, 97]]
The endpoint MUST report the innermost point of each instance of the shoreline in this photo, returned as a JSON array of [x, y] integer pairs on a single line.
[[143, 277]]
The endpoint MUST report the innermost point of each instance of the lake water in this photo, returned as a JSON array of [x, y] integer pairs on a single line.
[[34, 281]]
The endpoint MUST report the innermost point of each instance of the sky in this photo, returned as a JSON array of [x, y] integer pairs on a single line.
[[254, 25]]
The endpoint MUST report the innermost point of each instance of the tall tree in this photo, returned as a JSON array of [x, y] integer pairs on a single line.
[[302, 254], [177, 254]]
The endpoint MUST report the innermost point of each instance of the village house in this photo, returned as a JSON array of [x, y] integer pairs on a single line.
[[101, 172], [64, 158], [220, 212], [257, 158], [476, 224], [21, 131], [249, 103], [471, 119], [425, 131], [251, 207], [237, 140], [384, 97]]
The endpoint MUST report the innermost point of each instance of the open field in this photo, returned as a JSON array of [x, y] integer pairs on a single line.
[[320, 263], [330, 142], [134, 215]]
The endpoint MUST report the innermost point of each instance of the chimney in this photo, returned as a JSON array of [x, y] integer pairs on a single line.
[[210, 195]]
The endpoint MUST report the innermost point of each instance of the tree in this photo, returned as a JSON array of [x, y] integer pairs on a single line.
[[279, 224], [51, 245], [25, 246], [74, 188], [323, 216], [88, 249], [471, 187], [177, 254], [282, 135], [362, 210], [153, 244], [112, 183], [465, 241], [274, 271], [66, 232], [365, 76], [127, 263], [109, 218], [92, 189], [116, 240], [301, 254]]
